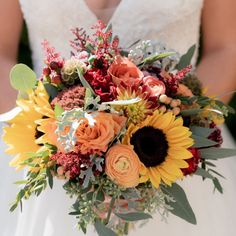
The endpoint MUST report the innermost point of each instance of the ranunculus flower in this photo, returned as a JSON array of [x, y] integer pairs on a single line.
[[123, 165], [123, 70], [155, 86], [94, 137]]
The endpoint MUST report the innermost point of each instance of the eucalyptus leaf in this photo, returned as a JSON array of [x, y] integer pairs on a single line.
[[217, 185], [133, 216], [200, 142], [181, 206], [102, 230], [153, 58], [51, 90], [22, 78], [185, 60], [201, 131], [84, 82], [203, 173], [217, 153]]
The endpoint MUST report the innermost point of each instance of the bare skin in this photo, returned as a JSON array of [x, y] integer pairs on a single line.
[[217, 69]]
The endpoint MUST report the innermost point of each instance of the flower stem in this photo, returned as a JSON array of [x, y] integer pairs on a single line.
[[110, 210], [126, 229]]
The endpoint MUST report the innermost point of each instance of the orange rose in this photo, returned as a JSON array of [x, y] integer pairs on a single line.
[[155, 86], [123, 70], [95, 138], [123, 165]]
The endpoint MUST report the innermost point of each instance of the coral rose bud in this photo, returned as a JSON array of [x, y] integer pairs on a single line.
[[123, 70], [123, 165], [156, 86], [56, 79]]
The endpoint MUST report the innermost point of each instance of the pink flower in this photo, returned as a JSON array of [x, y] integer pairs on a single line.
[[155, 86]]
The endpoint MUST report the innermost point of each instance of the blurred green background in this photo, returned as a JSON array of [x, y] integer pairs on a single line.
[[25, 57]]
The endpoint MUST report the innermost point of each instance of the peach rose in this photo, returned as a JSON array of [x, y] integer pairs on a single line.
[[123, 70], [155, 86], [123, 165], [184, 91], [95, 138]]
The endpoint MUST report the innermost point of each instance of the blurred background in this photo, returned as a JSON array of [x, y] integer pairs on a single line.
[[25, 57]]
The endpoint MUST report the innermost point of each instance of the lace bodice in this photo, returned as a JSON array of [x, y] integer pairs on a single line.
[[174, 22]]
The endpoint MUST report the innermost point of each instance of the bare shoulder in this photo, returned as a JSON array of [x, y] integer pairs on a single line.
[[10, 25], [218, 21]]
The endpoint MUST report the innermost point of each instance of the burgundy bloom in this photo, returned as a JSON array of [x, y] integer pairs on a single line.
[[102, 84], [216, 135], [192, 162]]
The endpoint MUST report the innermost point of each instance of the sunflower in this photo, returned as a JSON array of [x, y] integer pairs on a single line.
[[161, 143], [22, 134]]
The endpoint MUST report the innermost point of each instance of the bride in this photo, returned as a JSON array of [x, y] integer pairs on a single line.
[[175, 22]]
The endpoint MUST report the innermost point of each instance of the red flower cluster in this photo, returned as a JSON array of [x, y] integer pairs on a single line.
[[192, 162], [71, 162], [102, 84], [216, 135], [70, 98]]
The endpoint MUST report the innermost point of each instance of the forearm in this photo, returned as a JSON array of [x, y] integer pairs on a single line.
[[217, 71], [7, 93]]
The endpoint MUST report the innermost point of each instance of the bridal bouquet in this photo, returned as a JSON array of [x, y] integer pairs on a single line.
[[119, 127]]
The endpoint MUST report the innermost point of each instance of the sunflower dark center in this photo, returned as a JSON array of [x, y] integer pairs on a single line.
[[151, 146]]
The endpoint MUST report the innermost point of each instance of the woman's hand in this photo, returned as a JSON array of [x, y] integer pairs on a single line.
[[10, 28], [217, 69]]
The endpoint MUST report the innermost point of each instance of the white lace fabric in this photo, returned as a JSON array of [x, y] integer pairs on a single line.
[[174, 22]]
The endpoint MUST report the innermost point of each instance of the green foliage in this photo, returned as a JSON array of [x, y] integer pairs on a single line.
[[102, 230], [22, 78], [217, 153], [185, 60], [181, 206], [134, 216]]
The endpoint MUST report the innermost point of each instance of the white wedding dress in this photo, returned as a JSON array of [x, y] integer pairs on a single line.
[[175, 22]]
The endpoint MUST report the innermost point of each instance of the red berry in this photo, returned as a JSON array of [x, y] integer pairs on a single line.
[[54, 65], [46, 71]]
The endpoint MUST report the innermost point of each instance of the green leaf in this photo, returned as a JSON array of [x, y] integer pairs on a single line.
[[203, 173], [181, 206], [217, 153], [153, 58], [200, 142], [190, 112], [217, 173], [201, 131], [51, 90], [217, 185], [185, 60], [22, 78], [134, 216], [100, 196], [102, 230], [20, 182], [50, 177], [58, 110], [84, 82]]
